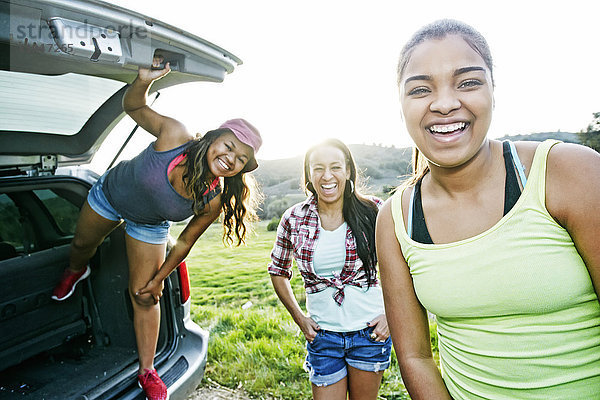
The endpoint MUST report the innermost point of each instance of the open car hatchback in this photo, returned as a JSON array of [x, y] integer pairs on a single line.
[[64, 67]]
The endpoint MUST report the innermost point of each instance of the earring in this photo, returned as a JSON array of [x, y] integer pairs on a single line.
[[351, 186]]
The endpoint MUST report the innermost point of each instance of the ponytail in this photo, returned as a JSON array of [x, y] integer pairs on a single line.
[[419, 168]]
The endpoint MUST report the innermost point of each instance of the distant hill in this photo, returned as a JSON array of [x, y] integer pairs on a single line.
[[381, 167], [567, 137], [378, 165]]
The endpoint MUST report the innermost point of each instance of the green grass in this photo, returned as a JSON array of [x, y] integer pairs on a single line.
[[260, 348]]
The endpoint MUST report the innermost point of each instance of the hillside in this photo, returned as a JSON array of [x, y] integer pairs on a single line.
[[567, 137], [381, 167], [378, 166]]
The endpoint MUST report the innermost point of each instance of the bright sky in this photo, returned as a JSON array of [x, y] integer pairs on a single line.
[[327, 68]]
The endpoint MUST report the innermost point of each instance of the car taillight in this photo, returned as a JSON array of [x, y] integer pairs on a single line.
[[184, 282]]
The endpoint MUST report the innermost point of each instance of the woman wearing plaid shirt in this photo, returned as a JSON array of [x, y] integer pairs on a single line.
[[331, 235]]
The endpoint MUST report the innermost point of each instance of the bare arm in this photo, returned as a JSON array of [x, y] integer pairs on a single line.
[[406, 317], [282, 287], [572, 198], [188, 237], [170, 132]]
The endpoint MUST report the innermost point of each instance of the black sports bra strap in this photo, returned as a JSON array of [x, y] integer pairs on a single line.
[[420, 233], [512, 190]]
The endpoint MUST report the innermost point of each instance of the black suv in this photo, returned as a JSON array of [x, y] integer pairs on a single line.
[[64, 66]]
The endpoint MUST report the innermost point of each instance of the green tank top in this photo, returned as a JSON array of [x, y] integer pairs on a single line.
[[517, 315]]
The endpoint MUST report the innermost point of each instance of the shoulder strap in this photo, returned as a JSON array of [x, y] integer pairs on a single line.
[[419, 231], [537, 172], [518, 165], [175, 162], [212, 186], [411, 207], [512, 190]]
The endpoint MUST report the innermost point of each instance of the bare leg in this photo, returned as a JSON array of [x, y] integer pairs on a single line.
[[144, 260], [363, 385], [337, 391], [90, 232]]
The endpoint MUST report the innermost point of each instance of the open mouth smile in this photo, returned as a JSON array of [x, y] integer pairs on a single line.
[[448, 129], [328, 189], [223, 164]]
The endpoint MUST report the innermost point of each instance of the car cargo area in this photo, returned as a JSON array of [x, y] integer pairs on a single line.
[[64, 69], [83, 347]]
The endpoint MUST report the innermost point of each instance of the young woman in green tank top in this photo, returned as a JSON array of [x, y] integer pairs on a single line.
[[513, 290]]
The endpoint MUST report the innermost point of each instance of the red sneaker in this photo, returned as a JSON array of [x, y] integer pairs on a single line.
[[152, 385], [69, 280]]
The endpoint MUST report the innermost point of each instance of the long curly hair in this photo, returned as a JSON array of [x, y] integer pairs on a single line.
[[360, 212], [240, 197]]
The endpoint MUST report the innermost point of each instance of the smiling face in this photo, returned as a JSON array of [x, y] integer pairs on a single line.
[[227, 155], [328, 173], [446, 94]]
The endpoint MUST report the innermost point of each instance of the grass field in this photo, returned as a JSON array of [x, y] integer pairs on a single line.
[[254, 343]]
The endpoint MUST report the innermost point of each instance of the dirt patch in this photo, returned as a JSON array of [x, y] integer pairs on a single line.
[[211, 390]]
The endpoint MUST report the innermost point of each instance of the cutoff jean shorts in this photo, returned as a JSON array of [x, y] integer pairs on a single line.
[[153, 234], [330, 352]]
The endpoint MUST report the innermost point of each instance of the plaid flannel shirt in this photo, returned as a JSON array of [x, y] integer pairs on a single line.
[[297, 236]]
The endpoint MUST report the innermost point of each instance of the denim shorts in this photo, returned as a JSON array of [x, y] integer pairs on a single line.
[[153, 234], [330, 352]]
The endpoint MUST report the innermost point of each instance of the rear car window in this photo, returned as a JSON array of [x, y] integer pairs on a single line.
[[35, 220], [12, 234], [63, 212], [51, 104]]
